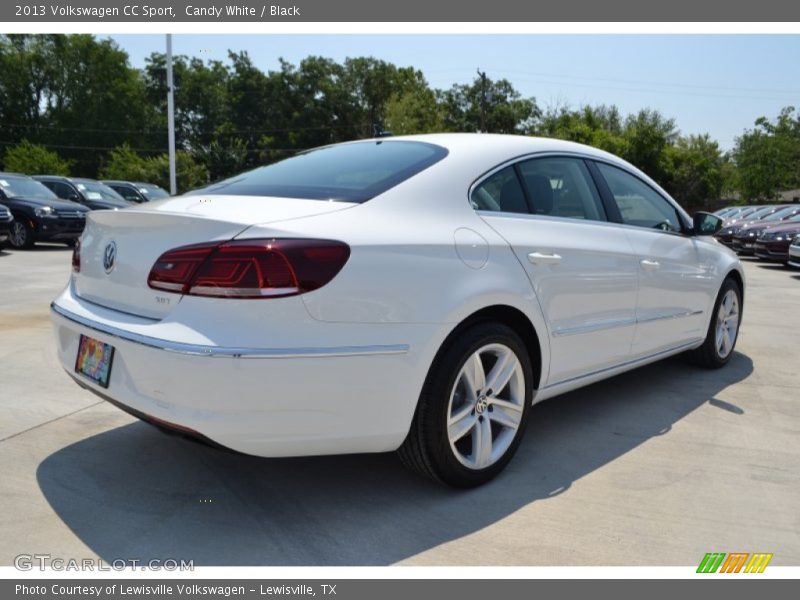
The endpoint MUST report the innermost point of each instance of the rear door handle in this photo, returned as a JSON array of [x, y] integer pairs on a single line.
[[649, 265], [544, 258]]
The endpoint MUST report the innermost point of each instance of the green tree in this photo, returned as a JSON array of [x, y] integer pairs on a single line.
[[33, 159], [124, 163], [488, 106], [767, 157], [695, 171]]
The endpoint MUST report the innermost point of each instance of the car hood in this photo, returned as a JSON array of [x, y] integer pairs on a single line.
[[30, 202], [108, 204]]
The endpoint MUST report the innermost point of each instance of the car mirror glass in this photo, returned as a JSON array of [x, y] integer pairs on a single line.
[[705, 223]]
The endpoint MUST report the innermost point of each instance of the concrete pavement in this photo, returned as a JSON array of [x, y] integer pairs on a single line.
[[654, 467]]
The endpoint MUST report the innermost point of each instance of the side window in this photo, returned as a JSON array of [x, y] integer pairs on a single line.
[[562, 187], [127, 193], [53, 187], [639, 204], [500, 192]]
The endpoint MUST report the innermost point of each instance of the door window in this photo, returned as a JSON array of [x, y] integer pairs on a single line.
[[500, 192], [638, 203], [562, 187]]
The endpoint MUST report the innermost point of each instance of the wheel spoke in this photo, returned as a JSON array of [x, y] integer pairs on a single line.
[[726, 342], [506, 419], [474, 374], [482, 443], [461, 423], [501, 372]]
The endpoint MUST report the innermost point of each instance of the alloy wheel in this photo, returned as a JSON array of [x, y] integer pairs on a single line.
[[486, 406], [727, 323], [19, 235]]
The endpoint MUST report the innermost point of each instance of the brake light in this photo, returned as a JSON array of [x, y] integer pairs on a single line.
[[76, 257], [249, 268]]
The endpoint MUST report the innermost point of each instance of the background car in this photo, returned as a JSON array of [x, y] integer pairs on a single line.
[[772, 244], [39, 215], [731, 227], [743, 241], [89, 192], [6, 218], [137, 191], [415, 293]]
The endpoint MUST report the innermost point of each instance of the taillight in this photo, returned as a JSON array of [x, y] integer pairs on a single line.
[[249, 268], [76, 257]]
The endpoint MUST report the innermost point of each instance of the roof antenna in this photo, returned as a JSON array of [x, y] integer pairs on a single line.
[[378, 132]]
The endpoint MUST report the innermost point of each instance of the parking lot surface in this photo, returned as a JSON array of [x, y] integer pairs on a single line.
[[654, 467]]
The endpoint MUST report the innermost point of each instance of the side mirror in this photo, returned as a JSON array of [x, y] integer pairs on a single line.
[[73, 197], [705, 223]]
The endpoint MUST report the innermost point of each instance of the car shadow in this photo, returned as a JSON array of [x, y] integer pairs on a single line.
[[135, 493]]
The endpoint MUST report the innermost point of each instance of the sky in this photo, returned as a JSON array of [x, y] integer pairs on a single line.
[[715, 84]]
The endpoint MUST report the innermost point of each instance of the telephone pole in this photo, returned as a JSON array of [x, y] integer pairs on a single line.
[[173, 186], [482, 75]]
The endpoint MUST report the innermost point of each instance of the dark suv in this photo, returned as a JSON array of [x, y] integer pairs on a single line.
[[90, 193], [39, 215], [137, 191]]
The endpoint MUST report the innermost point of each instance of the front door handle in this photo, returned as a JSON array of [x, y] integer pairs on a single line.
[[649, 265], [544, 258]]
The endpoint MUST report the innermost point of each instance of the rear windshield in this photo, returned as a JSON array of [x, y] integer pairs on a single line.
[[348, 172]]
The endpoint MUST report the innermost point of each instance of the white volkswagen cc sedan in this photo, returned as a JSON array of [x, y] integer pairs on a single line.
[[416, 293]]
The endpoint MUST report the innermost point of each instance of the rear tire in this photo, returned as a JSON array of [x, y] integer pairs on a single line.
[[464, 432], [723, 330], [21, 236]]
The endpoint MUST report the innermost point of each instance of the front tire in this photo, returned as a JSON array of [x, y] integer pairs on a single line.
[[473, 408], [723, 330], [21, 236]]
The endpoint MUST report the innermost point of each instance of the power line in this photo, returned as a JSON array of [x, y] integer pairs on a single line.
[[160, 132], [147, 150]]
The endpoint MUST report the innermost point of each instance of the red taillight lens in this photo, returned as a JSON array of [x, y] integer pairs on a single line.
[[76, 257], [249, 268]]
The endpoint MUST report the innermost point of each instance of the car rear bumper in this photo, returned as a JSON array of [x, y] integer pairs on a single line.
[[275, 401]]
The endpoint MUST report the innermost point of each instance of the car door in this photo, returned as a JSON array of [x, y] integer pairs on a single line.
[[582, 268], [674, 281]]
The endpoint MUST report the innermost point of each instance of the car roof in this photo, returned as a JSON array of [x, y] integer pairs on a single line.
[[11, 174], [59, 177]]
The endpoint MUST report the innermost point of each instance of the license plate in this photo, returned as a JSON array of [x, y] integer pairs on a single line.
[[94, 360]]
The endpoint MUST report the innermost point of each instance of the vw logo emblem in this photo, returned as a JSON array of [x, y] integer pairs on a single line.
[[110, 257]]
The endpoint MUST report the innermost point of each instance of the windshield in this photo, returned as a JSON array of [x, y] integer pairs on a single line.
[[761, 212], [94, 190], [152, 192], [14, 187], [353, 172], [780, 214]]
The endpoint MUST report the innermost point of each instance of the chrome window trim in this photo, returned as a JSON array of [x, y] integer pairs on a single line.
[[228, 352]]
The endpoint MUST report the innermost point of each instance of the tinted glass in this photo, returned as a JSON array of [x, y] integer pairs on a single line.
[[24, 187], [94, 190], [780, 214], [639, 204], [127, 193], [500, 192], [562, 187], [348, 172], [153, 192], [761, 212]]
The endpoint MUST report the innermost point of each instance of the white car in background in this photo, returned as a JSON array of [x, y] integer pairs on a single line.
[[794, 253], [416, 293]]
